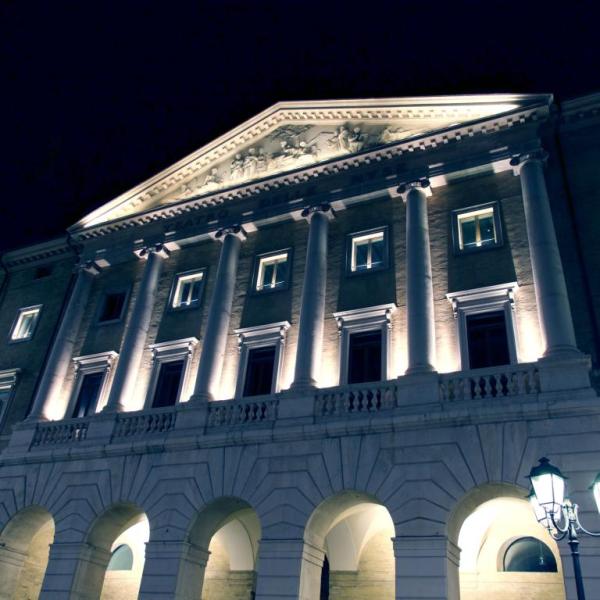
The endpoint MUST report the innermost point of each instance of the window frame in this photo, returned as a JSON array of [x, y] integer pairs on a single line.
[[493, 298], [456, 234], [256, 270], [8, 382], [102, 362], [261, 336], [350, 250], [20, 312], [107, 292], [171, 351], [174, 286], [362, 320]]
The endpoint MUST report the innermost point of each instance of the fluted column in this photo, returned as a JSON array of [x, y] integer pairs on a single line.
[[55, 371], [219, 314], [312, 308], [419, 285], [136, 331], [550, 288]]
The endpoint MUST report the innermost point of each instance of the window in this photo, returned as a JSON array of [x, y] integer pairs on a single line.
[[169, 381], [261, 354], [365, 343], [187, 290], [486, 329], [368, 251], [112, 307], [8, 381], [168, 384], [92, 381], [259, 371], [364, 357], [121, 559], [487, 341], [89, 392], [25, 323], [529, 555], [477, 227], [272, 272]]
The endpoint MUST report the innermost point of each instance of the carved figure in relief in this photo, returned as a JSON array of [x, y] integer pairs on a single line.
[[389, 135], [347, 140], [250, 163], [213, 179], [237, 167], [262, 161]]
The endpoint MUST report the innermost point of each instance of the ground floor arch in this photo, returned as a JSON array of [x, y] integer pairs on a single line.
[[24, 549], [504, 552], [352, 534], [112, 558]]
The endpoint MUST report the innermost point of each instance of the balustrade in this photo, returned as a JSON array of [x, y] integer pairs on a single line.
[[241, 412], [60, 432]]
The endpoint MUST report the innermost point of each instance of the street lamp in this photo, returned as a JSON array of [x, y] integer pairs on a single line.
[[557, 513]]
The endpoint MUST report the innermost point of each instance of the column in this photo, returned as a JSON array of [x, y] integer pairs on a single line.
[[136, 331], [57, 365], [419, 286], [548, 277], [288, 568], [219, 314], [312, 308], [426, 568], [173, 570]]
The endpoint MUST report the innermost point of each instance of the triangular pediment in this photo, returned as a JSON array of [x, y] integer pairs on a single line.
[[293, 135]]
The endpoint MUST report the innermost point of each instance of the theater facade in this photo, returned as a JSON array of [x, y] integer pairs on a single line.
[[316, 359]]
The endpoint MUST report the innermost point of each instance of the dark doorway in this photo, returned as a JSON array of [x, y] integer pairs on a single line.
[[87, 399], [167, 386], [364, 357], [259, 371], [325, 580], [487, 340]]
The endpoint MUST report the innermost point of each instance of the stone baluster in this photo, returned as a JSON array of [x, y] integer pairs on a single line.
[[219, 314], [550, 288], [419, 285], [136, 331], [312, 308], [47, 401]]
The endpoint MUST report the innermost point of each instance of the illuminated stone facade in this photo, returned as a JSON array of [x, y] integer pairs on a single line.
[[294, 364]]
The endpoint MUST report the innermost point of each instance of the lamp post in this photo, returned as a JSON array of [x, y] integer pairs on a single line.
[[557, 513]]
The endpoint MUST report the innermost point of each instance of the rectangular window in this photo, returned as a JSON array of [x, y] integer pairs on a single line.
[[25, 323], [368, 251], [259, 371], [168, 383], [8, 381], [112, 307], [273, 271], [188, 290], [477, 227], [364, 357], [487, 340], [89, 393]]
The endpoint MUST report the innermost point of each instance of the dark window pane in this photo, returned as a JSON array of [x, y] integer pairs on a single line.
[[196, 289], [469, 236], [186, 288], [280, 273], [268, 275], [364, 360], [167, 386], [529, 555], [486, 227], [487, 340], [259, 371], [377, 253], [112, 307], [361, 255], [88, 395]]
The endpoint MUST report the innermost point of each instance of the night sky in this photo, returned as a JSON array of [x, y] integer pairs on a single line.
[[99, 96]]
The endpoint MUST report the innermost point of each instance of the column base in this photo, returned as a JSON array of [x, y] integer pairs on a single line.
[[564, 371], [418, 369]]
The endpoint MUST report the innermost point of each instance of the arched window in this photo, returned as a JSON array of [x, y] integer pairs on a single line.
[[325, 580], [529, 555], [121, 559]]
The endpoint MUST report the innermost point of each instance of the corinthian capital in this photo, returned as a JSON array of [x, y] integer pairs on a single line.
[[516, 162], [236, 230], [159, 249], [416, 184], [324, 207]]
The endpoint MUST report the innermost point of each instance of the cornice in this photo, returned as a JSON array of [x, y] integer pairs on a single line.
[[24, 257], [431, 140], [580, 109]]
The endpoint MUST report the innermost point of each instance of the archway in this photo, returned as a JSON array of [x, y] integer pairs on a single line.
[[24, 548], [227, 532], [103, 571], [354, 533], [505, 552]]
